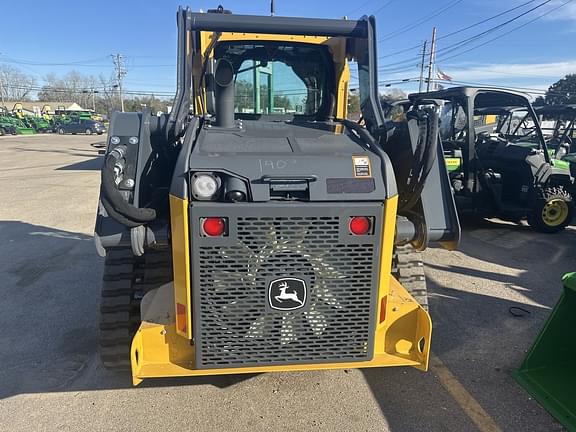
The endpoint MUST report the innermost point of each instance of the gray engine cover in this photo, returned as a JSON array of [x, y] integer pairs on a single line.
[[329, 153]]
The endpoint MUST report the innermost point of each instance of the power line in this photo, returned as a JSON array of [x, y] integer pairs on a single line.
[[87, 89], [8, 59], [358, 8], [80, 63], [399, 69], [508, 32], [460, 30], [486, 20], [392, 54], [382, 7], [420, 21], [457, 45]]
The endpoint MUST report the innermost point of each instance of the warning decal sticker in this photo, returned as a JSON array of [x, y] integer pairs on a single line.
[[361, 166]]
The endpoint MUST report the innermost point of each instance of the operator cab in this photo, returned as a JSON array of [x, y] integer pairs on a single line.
[[280, 81]]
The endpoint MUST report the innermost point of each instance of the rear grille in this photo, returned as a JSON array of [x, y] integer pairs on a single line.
[[235, 326]]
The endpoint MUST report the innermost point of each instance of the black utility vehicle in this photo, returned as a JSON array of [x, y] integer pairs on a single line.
[[496, 170]]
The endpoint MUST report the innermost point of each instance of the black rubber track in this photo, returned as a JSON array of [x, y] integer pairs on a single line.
[[408, 269], [126, 279]]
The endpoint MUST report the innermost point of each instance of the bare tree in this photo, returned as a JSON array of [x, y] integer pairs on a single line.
[[87, 90], [14, 84], [72, 87], [107, 95]]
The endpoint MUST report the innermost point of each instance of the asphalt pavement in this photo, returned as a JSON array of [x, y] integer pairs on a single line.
[[51, 378]]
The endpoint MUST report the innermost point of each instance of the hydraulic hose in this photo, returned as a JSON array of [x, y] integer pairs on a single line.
[[424, 157], [113, 201]]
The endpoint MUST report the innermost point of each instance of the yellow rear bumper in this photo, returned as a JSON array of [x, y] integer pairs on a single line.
[[158, 351]]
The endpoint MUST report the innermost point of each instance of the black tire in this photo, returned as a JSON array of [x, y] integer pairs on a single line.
[[88, 131], [553, 211], [408, 269], [126, 280]]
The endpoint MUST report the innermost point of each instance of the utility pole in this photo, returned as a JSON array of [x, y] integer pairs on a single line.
[[421, 81], [432, 58], [2, 88], [120, 72], [92, 93], [272, 8]]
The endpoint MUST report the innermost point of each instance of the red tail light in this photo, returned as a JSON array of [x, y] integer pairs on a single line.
[[214, 226], [181, 317], [360, 225], [383, 302]]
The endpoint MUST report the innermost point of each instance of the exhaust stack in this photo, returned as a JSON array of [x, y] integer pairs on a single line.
[[224, 93]]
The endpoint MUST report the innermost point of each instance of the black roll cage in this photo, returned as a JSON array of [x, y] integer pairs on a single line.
[[567, 111], [467, 96], [361, 44]]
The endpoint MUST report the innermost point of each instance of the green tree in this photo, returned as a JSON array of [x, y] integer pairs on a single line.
[[282, 101], [153, 103], [244, 95], [354, 105], [562, 91]]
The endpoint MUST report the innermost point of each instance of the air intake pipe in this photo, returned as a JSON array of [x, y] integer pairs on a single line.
[[224, 93]]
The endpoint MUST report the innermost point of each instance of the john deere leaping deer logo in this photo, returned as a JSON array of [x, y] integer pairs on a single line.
[[286, 294]]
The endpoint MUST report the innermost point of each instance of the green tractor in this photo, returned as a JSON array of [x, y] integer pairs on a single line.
[[13, 124], [498, 160], [39, 124], [6, 127], [22, 128]]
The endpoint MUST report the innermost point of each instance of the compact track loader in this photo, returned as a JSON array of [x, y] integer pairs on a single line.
[[254, 228]]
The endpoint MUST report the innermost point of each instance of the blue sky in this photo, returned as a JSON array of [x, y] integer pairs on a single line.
[[78, 35]]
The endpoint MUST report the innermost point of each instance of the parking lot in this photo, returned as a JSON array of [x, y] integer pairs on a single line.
[[51, 378]]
